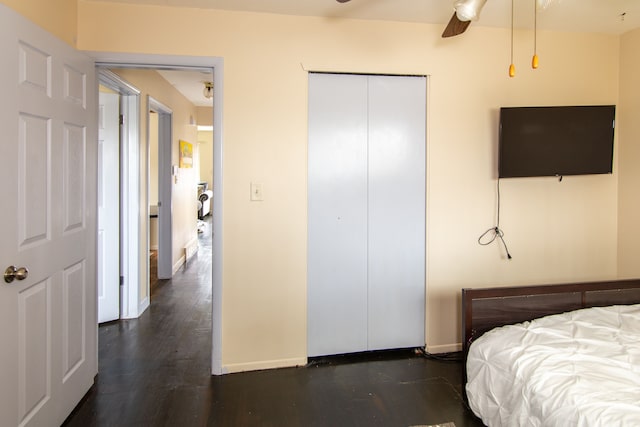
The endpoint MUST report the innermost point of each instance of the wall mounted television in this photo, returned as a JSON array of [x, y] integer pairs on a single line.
[[556, 141]]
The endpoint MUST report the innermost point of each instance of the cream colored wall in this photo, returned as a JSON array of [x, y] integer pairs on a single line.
[[556, 231], [204, 116], [205, 148], [58, 17], [629, 155], [184, 201], [205, 144]]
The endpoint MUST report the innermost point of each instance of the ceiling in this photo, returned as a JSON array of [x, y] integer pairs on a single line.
[[190, 84], [601, 16]]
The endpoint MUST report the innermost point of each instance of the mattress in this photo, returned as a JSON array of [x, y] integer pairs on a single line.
[[580, 368]]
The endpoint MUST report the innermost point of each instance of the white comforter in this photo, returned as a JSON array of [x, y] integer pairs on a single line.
[[573, 369]]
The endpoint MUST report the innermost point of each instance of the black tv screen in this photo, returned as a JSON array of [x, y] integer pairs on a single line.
[[556, 141]]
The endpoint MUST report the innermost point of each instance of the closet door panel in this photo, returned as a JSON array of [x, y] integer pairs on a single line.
[[337, 213], [396, 212]]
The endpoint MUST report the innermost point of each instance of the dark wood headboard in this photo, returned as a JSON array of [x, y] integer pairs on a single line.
[[487, 308]]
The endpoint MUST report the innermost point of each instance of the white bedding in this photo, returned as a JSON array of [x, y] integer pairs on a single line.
[[573, 369]]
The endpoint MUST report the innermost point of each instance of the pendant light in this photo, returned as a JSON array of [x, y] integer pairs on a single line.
[[208, 90], [534, 60], [512, 67]]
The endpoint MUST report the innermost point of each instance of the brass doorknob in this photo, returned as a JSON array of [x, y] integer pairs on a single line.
[[12, 272]]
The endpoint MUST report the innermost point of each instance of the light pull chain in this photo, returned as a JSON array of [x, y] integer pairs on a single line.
[[534, 60], [512, 68]]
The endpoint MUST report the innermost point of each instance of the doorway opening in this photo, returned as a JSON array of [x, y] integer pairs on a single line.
[[215, 65], [160, 170]]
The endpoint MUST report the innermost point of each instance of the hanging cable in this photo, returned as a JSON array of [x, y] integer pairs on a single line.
[[512, 67], [494, 233], [534, 60]]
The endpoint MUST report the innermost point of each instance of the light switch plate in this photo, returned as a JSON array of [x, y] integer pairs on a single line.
[[257, 194]]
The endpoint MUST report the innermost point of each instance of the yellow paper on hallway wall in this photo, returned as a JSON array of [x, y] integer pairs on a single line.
[[186, 154]]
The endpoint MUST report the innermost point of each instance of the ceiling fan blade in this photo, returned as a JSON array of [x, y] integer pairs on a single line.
[[455, 26], [342, 1]]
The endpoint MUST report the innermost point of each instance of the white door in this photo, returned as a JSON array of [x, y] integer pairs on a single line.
[[366, 213], [337, 228], [48, 356], [108, 207], [396, 212]]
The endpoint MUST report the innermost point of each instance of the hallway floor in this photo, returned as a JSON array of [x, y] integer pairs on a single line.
[[155, 371]]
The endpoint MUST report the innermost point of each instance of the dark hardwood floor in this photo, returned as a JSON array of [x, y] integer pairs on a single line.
[[155, 371]]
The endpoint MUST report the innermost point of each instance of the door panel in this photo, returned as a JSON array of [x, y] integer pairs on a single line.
[[396, 222], [337, 253], [34, 154], [73, 170], [74, 322], [47, 320], [34, 68], [34, 311]]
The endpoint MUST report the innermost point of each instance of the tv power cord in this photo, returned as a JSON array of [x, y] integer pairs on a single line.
[[494, 233], [491, 235]]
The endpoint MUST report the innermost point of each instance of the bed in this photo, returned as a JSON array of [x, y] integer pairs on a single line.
[[553, 355]]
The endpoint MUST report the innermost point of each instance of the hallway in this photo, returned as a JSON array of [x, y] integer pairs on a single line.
[[155, 371]]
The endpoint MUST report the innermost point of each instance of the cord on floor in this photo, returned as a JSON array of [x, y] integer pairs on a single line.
[[455, 356]]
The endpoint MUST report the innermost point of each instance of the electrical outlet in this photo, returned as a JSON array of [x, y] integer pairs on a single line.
[[257, 194]]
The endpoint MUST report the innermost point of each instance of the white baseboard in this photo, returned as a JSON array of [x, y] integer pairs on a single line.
[[267, 364], [139, 309], [191, 248], [144, 304], [444, 348], [177, 265], [300, 361]]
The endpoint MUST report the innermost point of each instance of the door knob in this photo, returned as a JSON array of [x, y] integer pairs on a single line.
[[12, 272]]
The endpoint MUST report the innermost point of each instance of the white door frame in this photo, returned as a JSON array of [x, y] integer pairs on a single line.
[[113, 60], [165, 201], [130, 307]]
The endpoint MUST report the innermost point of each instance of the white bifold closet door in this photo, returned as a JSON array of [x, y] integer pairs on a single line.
[[366, 225]]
